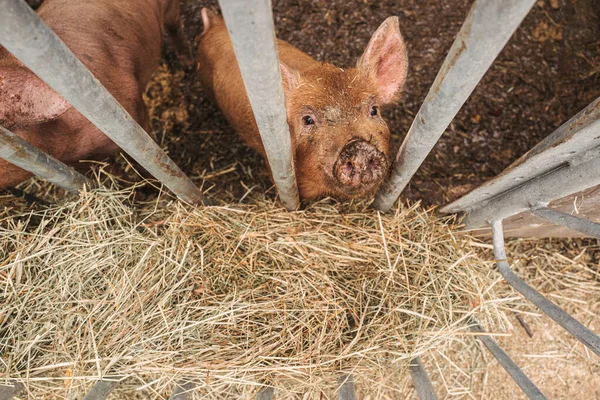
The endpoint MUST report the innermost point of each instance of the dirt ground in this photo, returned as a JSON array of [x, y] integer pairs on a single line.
[[548, 72]]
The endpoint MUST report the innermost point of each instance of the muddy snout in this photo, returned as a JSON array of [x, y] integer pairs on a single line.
[[360, 165]]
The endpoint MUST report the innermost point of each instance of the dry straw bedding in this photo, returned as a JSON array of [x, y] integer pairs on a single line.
[[231, 296]]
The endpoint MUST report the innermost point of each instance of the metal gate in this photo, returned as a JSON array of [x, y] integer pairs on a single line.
[[566, 162]]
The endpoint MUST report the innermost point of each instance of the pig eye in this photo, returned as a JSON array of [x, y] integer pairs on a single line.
[[374, 111], [307, 119]]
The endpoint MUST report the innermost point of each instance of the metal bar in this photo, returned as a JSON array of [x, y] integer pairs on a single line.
[[102, 389], [8, 392], [346, 390], [252, 32], [182, 391], [553, 185], [266, 393], [570, 221], [421, 380], [484, 33], [29, 39], [509, 365], [567, 144], [22, 154], [574, 327]]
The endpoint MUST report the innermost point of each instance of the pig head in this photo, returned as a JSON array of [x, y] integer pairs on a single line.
[[341, 144], [119, 42]]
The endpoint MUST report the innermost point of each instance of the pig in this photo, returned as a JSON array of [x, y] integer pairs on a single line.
[[120, 43], [340, 142]]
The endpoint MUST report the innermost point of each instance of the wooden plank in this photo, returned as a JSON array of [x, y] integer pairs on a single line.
[[584, 204]]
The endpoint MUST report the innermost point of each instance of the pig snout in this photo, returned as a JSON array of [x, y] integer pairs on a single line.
[[360, 165]]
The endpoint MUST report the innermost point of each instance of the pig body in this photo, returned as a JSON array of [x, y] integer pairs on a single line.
[[119, 42], [341, 144]]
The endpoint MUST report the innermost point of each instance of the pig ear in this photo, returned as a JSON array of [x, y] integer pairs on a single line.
[[289, 77], [385, 60], [25, 99]]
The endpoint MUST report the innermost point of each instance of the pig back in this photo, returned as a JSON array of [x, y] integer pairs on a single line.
[[222, 80], [118, 41]]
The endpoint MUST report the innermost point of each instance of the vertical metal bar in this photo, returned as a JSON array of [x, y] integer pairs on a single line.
[[266, 393], [182, 391], [8, 392], [484, 33], [509, 365], [574, 327], [570, 221], [29, 39], [22, 154], [252, 32], [346, 390], [101, 390], [421, 380]]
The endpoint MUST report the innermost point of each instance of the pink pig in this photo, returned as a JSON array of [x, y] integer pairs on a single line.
[[119, 42]]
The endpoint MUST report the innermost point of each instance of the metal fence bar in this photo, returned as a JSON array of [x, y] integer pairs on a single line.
[[22, 154], [252, 32], [8, 392], [421, 380], [484, 33], [102, 389], [346, 390], [509, 365], [574, 327], [554, 185], [570, 221], [29, 39], [567, 144], [266, 393], [182, 391]]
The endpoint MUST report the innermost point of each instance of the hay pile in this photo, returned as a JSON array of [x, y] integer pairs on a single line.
[[231, 297]]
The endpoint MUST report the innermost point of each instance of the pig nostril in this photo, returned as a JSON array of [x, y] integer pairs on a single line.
[[373, 164], [348, 167]]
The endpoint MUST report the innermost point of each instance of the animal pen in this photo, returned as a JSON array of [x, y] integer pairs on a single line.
[[565, 163]]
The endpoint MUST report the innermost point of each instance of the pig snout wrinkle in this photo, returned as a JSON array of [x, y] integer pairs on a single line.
[[360, 165]]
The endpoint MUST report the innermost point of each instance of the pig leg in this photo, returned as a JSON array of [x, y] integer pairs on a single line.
[[174, 28]]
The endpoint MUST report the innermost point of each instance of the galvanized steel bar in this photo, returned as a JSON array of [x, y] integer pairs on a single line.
[[28, 157], [266, 393], [574, 327], [252, 32], [566, 145], [509, 365], [8, 392], [29, 39], [551, 186], [570, 221], [421, 380], [182, 391], [346, 390], [486, 30], [102, 390]]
